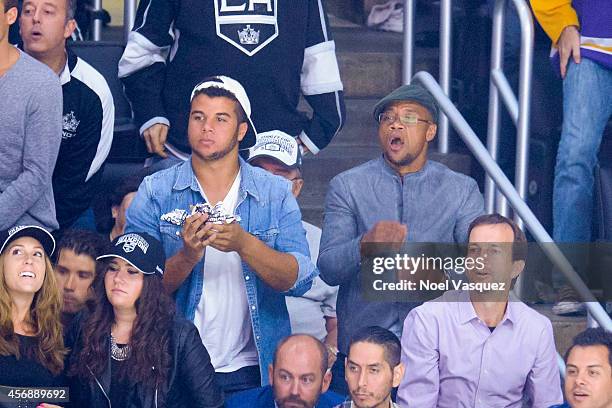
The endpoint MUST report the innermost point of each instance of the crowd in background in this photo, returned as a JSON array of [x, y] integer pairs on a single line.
[[209, 289]]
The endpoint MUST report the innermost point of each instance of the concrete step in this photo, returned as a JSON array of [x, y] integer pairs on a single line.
[[565, 328], [370, 61]]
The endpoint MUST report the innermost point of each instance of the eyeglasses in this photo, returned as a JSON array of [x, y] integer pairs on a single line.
[[410, 119]]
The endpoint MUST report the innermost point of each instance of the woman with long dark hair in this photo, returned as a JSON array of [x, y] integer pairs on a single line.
[[31, 344], [132, 351]]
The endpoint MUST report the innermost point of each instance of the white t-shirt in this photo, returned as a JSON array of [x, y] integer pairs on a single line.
[[222, 316]]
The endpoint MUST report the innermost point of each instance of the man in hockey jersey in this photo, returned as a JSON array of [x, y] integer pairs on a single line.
[[275, 48], [230, 270], [88, 108]]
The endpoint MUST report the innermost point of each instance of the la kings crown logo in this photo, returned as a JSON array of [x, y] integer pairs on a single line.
[[70, 125], [248, 25]]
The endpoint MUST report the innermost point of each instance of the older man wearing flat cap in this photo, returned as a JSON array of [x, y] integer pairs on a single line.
[[398, 197]]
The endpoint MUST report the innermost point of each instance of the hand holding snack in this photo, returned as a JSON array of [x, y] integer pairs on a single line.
[[195, 235], [207, 224]]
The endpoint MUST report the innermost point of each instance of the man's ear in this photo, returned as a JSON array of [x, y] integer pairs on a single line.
[[431, 132], [517, 268], [69, 28], [326, 381], [398, 374], [11, 15], [242, 129], [115, 211], [271, 374], [296, 187]]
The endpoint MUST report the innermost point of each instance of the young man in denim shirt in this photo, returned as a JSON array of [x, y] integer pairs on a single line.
[[229, 278]]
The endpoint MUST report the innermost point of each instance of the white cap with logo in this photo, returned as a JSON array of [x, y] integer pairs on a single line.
[[277, 145], [236, 89]]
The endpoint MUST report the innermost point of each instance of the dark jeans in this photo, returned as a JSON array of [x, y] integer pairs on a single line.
[[243, 379]]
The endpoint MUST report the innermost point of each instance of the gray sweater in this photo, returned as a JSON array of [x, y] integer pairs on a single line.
[[436, 203], [30, 136]]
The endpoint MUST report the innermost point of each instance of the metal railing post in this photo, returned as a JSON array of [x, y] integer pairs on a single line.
[[408, 56], [524, 100], [446, 29], [519, 111], [96, 22], [497, 53], [129, 15]]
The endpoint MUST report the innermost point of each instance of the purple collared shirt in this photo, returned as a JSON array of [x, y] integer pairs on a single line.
[[452, 359]]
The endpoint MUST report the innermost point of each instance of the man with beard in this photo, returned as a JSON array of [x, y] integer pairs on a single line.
[[373, 368], [398, 197], [298, 376], [230, 274], [481, 348]]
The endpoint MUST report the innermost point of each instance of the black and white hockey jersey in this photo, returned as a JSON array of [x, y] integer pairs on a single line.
[[89, 116], [275, 48]]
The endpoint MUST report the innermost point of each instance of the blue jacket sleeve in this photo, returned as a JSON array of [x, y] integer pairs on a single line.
[[339, 256]]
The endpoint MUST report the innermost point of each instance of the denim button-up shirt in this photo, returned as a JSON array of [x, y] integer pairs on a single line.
[[268, 211], [436, 203]]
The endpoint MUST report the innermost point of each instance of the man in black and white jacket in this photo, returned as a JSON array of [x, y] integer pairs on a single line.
[[88, 109], [276, 49]]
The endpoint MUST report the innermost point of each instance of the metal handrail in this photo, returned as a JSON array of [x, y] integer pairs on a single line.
[[96, 22], [129, 15], [519, 111], [492, 169], [408, 44], [445, 61]]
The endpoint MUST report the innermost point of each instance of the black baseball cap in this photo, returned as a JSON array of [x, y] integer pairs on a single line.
[[140, 250], [34, 231]]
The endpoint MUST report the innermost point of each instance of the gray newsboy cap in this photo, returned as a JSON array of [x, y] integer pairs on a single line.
[[409, 93]]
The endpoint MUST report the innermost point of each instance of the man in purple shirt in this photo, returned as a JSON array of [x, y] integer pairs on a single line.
[[478, 349]]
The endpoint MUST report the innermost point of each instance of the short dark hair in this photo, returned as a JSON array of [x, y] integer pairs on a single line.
[[216, 92], [126, 186], [320, 346], [83, 242], [519, 246], [383, 338], [9, 4], [593, 337]]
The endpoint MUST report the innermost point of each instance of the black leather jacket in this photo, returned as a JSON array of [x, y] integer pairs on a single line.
[[191, 382]]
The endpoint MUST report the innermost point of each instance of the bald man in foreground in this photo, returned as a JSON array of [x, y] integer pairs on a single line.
[[299, 376]]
